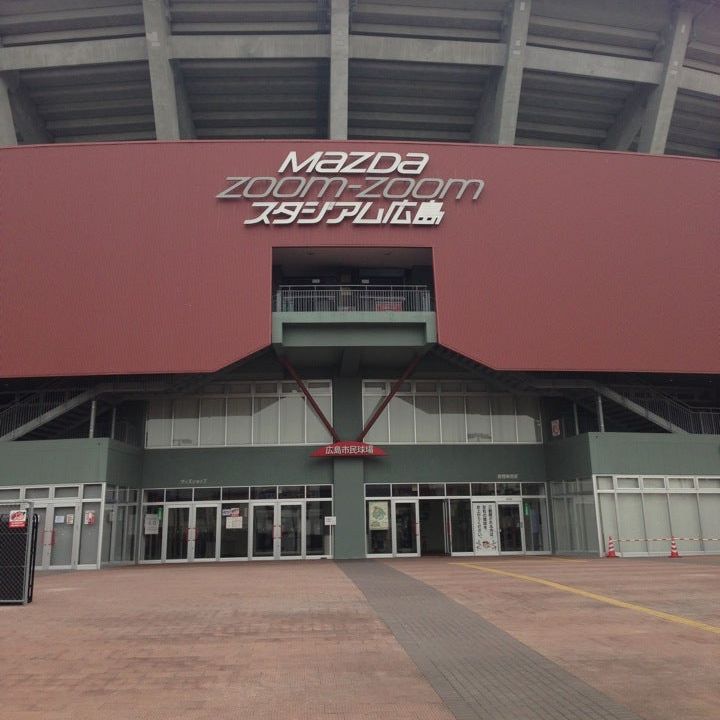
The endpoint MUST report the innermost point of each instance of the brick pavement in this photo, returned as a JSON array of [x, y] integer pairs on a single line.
[[661, 670], [479, 670], [287, 641]]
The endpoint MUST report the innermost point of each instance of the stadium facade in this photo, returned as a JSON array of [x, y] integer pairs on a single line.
[[342, 279]]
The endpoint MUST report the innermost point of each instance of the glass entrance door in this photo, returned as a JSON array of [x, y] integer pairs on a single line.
[[511, 528], [204, 532], [176, 533], [291, 534], [64, 521], [406, 528], [277, 530], [263, 531]]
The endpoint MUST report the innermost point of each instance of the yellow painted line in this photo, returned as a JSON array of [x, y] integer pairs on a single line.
[[679, 619]]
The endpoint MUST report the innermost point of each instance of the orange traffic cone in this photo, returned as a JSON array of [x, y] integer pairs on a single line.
[[673, 548], [611, 548]]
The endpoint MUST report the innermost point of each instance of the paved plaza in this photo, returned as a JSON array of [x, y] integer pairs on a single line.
[[520, 638]]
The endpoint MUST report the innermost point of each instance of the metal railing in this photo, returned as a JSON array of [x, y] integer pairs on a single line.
[[698, 422], [348, 298]]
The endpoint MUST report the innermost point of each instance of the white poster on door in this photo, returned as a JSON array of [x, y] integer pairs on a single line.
[[485, 528], [378, 515], [152, 524]]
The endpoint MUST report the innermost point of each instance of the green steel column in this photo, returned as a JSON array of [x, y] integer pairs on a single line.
[[348, 473]]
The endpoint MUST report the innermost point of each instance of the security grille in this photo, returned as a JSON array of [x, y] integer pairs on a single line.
[[17, 558]]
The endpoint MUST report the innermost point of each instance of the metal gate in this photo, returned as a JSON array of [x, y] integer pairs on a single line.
[[18, 540]]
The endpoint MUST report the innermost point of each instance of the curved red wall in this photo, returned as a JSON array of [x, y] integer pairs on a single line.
[[118, 258]]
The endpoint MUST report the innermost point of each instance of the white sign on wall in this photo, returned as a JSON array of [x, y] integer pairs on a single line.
[[362, 188], [485, 538]]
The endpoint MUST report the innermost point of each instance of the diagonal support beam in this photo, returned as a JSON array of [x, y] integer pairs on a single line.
[[339, 54], [29, 125], [627, 125], [499, 121], [7, 124], [313, 404], [659, 111], [409, 370]]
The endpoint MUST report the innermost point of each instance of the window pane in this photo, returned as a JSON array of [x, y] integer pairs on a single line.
[[461, 524], [676, 483], [178, 494], [379, 540], [66, 492], [628, 483], [158, 423], [185, 423], [478, 419], [503, 420], [239, 421], [154, 495], [458, 488], [317, 533], [292, 419], [212, 421], [316, 431], [453, 419], [379, 431], [265, 421], [374, 388], [508, 488], [377, 491], [291, 491], [235, 493], [528, 419], [207, 494], [266, 388], [318, 491], [534, 489], [404, 490], [432, 489], [427, 418], [402, 424], [91, 491], [263, 493], [654, 483], [30, 493], [483, 488]]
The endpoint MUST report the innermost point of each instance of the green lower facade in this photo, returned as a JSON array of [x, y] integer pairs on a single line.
[[101, 501]]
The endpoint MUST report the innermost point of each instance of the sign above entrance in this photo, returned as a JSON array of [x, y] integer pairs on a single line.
[[348, 448], [362, 188]]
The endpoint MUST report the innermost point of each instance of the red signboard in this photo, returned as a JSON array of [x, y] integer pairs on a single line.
[[18, 519], [348, 448]]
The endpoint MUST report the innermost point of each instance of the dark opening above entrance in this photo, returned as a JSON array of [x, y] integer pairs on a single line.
[[352, 266]]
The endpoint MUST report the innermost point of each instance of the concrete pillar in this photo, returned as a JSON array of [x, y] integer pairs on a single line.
[[7, 125], [162, 79], [660, 105], [339, 78], [500, 119]]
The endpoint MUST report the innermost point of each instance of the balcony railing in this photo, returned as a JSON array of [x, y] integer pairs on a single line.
[[349, 298]]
